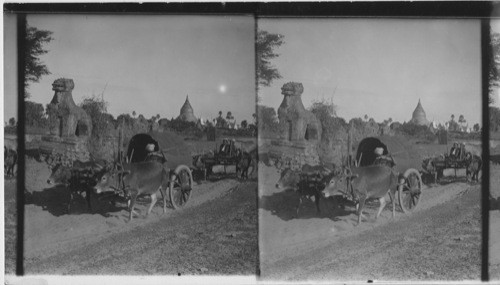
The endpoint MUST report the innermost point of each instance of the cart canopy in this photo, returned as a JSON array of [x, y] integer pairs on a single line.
[[405, 154], [172, 145]]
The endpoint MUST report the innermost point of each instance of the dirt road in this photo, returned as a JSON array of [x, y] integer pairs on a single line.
[[216, 233], [218, 237], [10, 219], [440, 241]]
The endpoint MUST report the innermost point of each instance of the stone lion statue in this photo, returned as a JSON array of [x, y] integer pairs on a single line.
[[297, 123], [66, 118]]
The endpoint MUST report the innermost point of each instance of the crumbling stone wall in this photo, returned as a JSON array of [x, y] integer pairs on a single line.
[[333, 145], [290, 155]]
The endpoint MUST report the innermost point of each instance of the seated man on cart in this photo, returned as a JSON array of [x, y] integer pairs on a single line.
[[455, 150], [144, 148], [382, 159], [224, 146], [227, 147]]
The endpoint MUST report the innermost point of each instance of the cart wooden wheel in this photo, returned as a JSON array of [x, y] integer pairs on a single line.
[[409, 190], [181, 184]]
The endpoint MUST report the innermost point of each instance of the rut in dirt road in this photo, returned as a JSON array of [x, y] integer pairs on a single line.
[[440, 243], [217, 237]]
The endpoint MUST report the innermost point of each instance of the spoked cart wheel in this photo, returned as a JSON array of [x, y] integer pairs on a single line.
[[181, 184], [409, 190]]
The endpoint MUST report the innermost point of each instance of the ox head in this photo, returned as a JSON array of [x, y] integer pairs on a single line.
[[60, 175], [199, 161], [288, 179], [337, 182], [428, 164], [468, 156], [111, 179], [10, 157]]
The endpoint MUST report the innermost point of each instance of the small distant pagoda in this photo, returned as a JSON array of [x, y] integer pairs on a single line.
[[187, 113], [419, 116]]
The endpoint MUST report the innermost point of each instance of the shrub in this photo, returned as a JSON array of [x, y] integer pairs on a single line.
[[323, 109], [244, 124], [35, 116], [221, 122], [268, 120], [494, 118], [248, 132], [464, 136], [180, 126], [103, 124], [189, 129], [96, 108], [416, 131], [357, 123], [12, 130], [124, 119]]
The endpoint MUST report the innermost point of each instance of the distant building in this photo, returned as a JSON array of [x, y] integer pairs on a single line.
[[419, 116], [187, 113]]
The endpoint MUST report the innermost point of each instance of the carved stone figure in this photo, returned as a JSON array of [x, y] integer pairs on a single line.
[[66, 119], [297, 123]]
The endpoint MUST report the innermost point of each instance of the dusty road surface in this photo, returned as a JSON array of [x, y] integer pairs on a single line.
[[441, 240], [216, 233], [10, 220]]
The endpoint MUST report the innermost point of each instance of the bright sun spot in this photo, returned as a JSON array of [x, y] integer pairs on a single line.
[[222, 88]]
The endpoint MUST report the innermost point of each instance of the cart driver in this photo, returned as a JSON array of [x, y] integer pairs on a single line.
[[454, 150], [379, 151], [224, 146], [153, 153], [379, 155], [150, 148], [461, 149], [233, 146], [381, 159]]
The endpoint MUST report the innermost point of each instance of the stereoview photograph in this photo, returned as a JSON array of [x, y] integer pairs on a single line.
[[494, 195], [369, 149], [140, 145]]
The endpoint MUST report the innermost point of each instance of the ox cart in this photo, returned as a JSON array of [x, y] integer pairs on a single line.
[[224, 159], [313, 180], [457, 158], [375, 151], [143, 147], [81, 177]]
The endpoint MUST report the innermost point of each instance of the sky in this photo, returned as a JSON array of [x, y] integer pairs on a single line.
[[381, 67], [148, 64], [9, 68], [495, 28]]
